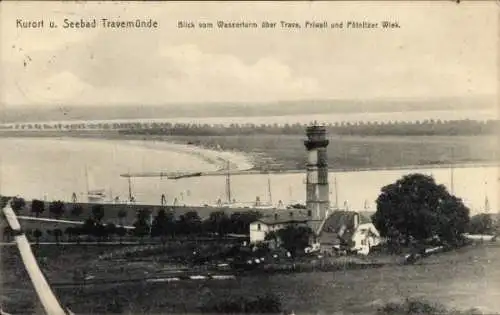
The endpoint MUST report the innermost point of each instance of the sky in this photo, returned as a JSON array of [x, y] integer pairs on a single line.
[[442, 49]]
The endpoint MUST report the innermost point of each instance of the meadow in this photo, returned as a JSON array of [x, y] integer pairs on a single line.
[[357, 152], [453, 279]]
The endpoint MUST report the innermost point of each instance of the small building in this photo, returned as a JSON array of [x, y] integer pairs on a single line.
[[347, 231], [365, 237], [341, 231], [278, 221]]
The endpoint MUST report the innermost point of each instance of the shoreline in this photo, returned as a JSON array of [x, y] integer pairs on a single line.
[[248, 163], [238, 161]]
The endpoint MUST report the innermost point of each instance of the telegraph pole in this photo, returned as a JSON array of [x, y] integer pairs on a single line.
[[130, 196], [228, 184], [452, 188], [269, 189], [336, 192], [486, 201]]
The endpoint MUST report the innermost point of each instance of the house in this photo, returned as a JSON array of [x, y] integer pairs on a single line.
[[279, 220], [365, 237], [347, 231], [341, 231]]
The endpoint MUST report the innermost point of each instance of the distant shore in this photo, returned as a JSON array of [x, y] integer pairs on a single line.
[[253, 156]]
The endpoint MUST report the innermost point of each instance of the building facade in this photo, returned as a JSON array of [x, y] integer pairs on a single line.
[[260, 228], [347, 231]]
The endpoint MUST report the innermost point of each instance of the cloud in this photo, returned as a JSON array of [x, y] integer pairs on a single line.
[[224, 77], [62, 87], [427, 57], [180, 73]]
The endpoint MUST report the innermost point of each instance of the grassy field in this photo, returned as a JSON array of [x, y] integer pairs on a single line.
[[354, 152], [463, 279]]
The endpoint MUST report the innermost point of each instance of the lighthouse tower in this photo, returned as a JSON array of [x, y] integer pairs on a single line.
[[317, 190]]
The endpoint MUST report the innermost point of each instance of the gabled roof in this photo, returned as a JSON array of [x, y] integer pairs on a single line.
[[368, 229], [338, 220], [365, 216], [285, 216], [340, 225]]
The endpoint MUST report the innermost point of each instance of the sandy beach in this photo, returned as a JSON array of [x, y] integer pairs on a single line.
[[238, 161]]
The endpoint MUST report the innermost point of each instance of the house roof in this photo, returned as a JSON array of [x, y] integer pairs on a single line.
[[340, 225], [286, 216], [368, 229], [365, 217]]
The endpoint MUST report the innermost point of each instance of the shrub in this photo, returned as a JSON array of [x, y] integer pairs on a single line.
[[57, 209], [268, 303], [420, 307], [17, 204], [37, 207], [77, 210]]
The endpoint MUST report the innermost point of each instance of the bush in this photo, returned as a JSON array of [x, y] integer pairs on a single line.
[[268, 303], [57, 209], [37, 207], [420, 307], [114, 307], [77, 210], [17, 204]]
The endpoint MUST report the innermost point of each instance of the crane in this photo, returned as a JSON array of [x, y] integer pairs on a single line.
[[225, 171]]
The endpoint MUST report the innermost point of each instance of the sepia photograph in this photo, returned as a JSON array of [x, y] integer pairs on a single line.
[[249, 158]]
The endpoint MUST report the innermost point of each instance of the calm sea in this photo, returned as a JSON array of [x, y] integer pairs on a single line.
[[55, 168]]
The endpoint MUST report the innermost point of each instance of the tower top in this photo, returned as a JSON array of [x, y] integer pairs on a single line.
[[317, 132], [316, 137], [316, 124]]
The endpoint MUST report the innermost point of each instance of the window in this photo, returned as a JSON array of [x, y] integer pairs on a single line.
[[309, 212], [363, 242], [258, 227]]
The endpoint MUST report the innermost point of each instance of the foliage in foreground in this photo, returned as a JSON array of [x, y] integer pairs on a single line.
[[268, 303], [421, 307]]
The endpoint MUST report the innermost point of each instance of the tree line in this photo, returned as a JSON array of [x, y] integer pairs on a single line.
[[423, 127], [163, 225], [361, 128]]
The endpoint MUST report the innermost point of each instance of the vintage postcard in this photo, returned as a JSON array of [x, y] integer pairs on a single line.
[[241, 157]]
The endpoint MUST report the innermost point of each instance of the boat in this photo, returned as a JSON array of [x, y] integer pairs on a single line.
[[94, 195]]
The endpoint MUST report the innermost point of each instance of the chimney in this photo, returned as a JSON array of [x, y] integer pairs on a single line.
[[317, 188]]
